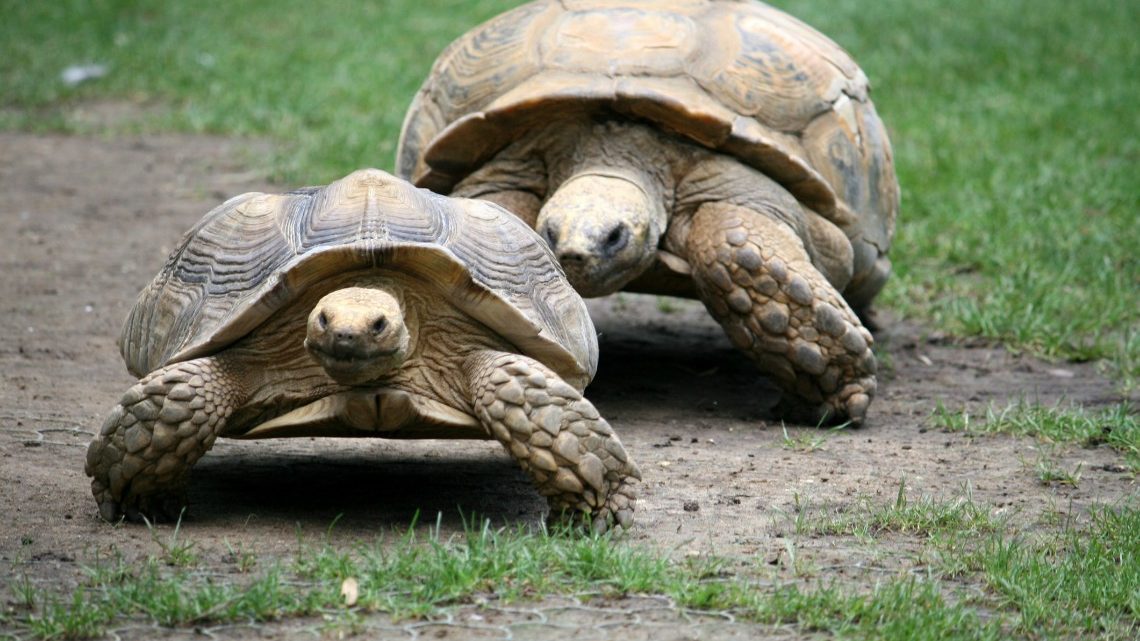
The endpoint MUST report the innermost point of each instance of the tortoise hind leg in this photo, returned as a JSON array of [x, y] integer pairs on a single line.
[[141, 458], [557, 437], [754, 275]]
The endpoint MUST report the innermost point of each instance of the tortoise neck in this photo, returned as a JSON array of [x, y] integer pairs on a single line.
[[616, 148]]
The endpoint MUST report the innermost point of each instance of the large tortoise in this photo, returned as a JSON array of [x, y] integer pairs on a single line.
[[722, 150], [364, 308]]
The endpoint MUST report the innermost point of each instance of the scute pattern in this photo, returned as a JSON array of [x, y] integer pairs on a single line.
[[629, 42], [790, 85], [255, 253], [745, 79], [467, 88]]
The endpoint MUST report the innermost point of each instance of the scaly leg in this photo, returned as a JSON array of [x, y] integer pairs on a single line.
[[141, 459], [572, 454], [756, 279]]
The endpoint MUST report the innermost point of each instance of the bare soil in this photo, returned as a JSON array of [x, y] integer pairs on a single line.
[[86, 222]]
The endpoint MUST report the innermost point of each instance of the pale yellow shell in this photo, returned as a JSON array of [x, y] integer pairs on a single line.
[[251, 256], [736, 76]]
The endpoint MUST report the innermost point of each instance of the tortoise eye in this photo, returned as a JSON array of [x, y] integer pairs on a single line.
[[322, 321], [616, 240], [550, 236], [379, 325]]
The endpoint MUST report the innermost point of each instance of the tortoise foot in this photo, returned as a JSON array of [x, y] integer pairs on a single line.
[[167, 506], [616, 511], [140, 460], [756, 279], [557, 436]]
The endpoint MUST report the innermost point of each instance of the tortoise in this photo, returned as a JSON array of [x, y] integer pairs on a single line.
[[718, 150], [367, 307]]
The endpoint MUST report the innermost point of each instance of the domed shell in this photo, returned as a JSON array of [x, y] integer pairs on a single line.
[[255, 253], [735, 76]]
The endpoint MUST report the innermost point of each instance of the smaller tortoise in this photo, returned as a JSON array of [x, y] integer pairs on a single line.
[[364, 308], [716, 149]]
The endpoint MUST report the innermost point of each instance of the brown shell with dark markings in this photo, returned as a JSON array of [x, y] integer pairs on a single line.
[[254, 254], [738, 77]]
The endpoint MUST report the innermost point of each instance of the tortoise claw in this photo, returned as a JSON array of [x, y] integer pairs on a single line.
[[167, 507], [110, 511]]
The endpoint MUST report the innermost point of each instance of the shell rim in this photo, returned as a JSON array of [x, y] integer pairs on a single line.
[[293, 277]]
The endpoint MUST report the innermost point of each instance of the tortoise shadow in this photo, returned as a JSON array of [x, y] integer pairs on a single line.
[[677, 362], [363, 486]]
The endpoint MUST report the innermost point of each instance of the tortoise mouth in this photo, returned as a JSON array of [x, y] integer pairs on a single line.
[[353, 366], [348, 354]]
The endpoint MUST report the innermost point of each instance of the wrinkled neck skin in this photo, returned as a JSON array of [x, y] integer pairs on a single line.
[[608, 201]]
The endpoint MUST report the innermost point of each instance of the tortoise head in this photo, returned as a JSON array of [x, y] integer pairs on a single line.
[[604, 229], [357, 334]]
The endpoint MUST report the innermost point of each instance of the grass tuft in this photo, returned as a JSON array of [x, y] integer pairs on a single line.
[[1117, 426], [926, 516], [1088, 580]]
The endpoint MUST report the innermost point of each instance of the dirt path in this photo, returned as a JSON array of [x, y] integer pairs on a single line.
[[85, 223]]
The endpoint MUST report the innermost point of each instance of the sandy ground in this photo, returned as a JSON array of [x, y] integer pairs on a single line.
[[86, 222]]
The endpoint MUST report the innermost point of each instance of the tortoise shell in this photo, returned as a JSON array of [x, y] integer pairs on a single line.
[[255, 253], [738, 77]]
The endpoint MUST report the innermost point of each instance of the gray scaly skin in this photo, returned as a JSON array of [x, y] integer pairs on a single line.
[[557, 437], [140, 461], [777, 308]]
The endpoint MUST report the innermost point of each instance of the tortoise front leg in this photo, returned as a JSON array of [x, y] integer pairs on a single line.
[[140, 461], [557, 436], [755, 277]]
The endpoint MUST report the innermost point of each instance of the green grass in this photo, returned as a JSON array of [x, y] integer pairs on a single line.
[[1014, 127], [1050, 473], [327, 81], [1084, 580], [1117, 426], [806, 441], [925, 517], [1072, 582]]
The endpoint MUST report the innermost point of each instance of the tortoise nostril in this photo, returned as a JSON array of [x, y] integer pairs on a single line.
[[571, 256]]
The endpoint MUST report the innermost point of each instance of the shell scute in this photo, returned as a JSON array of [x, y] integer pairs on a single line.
[[255, 253], [621, 40], [742, 78]]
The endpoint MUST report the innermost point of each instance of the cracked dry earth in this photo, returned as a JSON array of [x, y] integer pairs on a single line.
[[86, 222]]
